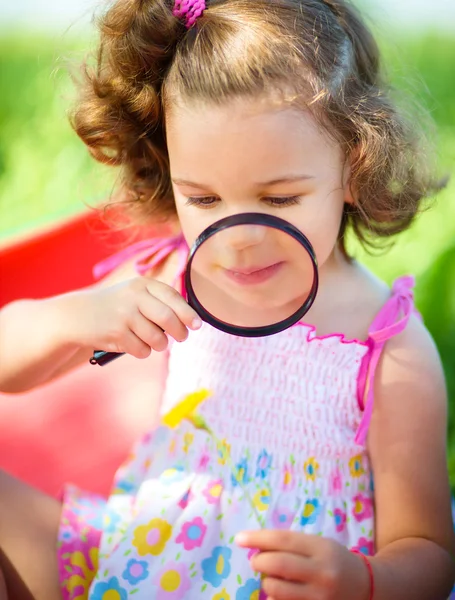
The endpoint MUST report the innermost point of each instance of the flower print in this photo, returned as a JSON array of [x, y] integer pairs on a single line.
[[282, 518], [356, 466], [335, 482], [263, 464], [288, 482], [261, 499], [213, 491], [188, 439], [110, 521], [365, 546], [88, 565], [110, 589], [363, 508], [184, 500], [204, 460], [136, 571], [249, 591], [217, 567], [122, 486], [340, 519], [66, 534], [172, 582], [240, 474], [310, 512], [152, 538], [224, 450], [252, 552], [223, 595], [172, 475], [185, 409], [311, 468], [91, 511], [192, 534]]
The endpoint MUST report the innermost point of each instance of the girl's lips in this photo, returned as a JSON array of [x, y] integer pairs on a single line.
[[253, 275]]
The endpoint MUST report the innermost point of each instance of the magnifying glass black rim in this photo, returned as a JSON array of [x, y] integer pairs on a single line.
[[251, 219]]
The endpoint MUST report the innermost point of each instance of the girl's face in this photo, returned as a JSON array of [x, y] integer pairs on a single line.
[[250, 157]]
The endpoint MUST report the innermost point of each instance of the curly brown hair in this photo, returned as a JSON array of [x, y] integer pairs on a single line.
[[318, 51]]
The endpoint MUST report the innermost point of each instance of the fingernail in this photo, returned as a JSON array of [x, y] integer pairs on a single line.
[[196, 323], [241, 539]]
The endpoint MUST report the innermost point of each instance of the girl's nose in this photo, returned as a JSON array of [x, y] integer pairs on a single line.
[[240, 237]]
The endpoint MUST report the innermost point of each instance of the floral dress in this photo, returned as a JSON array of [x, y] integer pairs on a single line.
[[287, 451]]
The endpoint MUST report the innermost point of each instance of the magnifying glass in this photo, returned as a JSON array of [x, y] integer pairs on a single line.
[[250, 275]]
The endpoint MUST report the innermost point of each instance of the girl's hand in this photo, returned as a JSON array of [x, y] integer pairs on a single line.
[[131, 317], [296, 566]]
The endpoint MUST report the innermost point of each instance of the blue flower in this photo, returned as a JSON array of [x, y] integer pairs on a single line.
[[110, 521], [111, 586], [246, 591], [263, 464], [123, 487], [241, 473], [217, 567], [136, 571], [176, 473], [310, 512]]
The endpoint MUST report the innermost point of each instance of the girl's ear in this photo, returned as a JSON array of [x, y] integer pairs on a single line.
[[349, 187]]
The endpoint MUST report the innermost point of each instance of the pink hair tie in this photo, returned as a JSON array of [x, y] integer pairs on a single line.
[[190, 9]]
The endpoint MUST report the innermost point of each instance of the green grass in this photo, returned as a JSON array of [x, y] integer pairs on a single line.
[[45, 172]]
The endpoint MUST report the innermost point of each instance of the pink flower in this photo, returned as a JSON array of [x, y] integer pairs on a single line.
[[363, 508], [213, 491], [184, 500], [203, 462], [335, 484], [282, 518], [172, 582], [340, 519], [252, 552], [365, 546], [192, 534]]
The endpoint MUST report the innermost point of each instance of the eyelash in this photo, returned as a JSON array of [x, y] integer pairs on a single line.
[[277, 202]]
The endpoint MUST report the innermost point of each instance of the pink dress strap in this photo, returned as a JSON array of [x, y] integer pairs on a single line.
[[390, 321], [150, 253]]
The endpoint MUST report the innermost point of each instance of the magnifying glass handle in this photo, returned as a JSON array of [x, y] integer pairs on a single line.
[[102, 358]]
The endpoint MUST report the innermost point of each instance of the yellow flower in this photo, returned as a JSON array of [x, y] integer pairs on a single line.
[[224, 450], [356, 466], [223, 595], [187, 441], [185, 409], [311, 468], [152, 538], [261, 499], [83, 581]]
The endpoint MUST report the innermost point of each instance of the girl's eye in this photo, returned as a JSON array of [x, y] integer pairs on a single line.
[[284, 201], [203, 202]]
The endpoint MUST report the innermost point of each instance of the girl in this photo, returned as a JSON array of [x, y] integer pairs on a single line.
[[213, 109]]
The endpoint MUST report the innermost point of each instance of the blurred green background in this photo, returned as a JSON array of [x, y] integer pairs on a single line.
[[45, 172]]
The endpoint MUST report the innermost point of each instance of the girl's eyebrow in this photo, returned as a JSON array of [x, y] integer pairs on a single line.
[[280, 180]]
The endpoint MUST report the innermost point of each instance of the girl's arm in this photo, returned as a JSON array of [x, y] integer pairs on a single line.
[[42, 339], [407, 445]]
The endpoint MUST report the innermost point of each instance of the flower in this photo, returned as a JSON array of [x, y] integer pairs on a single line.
[[122, 486], [340, 519], [240, 474], [82, 581], [204, 460], [152, 538], [363, 508], [311, 468], [185, 409], [213, 491], [335, 483], [184, 500], [172, 475], [356, 466], [110, 521], [365, 546], [192, 534], [223, 595], [172, 581], [261, 499], [282, 518], [249, 591], [224, 449], [136, 571], [263, 464], [288, 478], [187, 441], [310, 512], [111, 589], [217, 567]]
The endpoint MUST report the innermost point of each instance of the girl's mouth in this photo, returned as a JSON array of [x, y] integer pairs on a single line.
[[253, 275]]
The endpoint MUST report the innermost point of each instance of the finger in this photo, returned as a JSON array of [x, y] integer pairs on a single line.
[[169, 296], [130, 344], [161, 314], [149, 333], [293, 542], [279, 589], [284, 565]]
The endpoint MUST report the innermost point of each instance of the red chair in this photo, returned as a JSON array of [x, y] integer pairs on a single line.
[[80, 427]]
